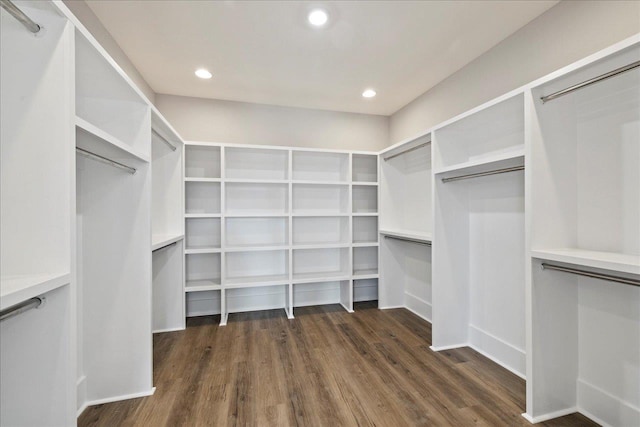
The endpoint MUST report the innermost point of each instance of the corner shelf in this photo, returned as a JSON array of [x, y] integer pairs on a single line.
[[613, 261]]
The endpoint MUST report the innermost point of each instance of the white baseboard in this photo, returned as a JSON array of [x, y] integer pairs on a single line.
[[418, 306], [391, 307], [605, 408], [121, 397], [81, 395], [161, 331], [550, 415], [498, 350], [448, 347]]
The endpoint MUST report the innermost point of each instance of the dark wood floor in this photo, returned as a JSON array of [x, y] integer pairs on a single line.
[[325, 368]]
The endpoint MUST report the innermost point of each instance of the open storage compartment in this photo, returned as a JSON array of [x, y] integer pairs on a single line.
[[365, 199], [316, 199], [365, 261], [309, 231], [256, 199], [201, 162], [202, 272], [256, 232], [586, 218], [315, 265], [364, 168], [256, 268], [256, 163], [202, 198], [320, 166], [202, 234], [365, 230]]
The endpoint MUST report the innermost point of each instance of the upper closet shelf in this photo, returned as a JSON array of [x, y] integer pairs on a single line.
[[257, 181], [305, 181], [95, 140], [161, 240], [15, 289], [613, 261], [416, 236], [496, 161], [203, 179]]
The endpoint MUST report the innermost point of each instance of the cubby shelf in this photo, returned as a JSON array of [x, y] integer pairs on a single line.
[[257, 281], [322, 246], [15, 289], [312, 182], [372, 184], [624, 263], [365, 244], [198, 215], [371, 273], [256, 181], [202, 285], [332, 276], [202, 179], [255, 248], [365, 214], [203, 251], [318, 214]]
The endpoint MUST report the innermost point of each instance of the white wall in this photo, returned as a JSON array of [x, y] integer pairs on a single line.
[[562, 35], [199, 119], [97, 30]]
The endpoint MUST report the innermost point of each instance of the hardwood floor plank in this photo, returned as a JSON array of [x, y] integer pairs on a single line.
[[326, 367]]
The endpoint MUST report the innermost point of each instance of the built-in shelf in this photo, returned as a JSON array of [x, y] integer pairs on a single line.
[[364, 244], [370, 273], [203, 251], [202, 179], [15, 289], [255, 248], [322, 246], [418, 236], [330, 276], [497, 161], [256, 181], [365, 214], [371, 184], [202, 285], [318, 214], [257, 281], [160, 240], [613, 261], [97, 141], [256, 214], [312, 182], [202, 215]]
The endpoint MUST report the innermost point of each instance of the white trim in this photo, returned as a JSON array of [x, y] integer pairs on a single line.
[[161, 331], [419, 302], [550, 415], [391, 307], [448, 347], [503, 350], [611, 409], [121, 397]]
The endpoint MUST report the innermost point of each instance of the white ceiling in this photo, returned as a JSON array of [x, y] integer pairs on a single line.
[[265, 52]]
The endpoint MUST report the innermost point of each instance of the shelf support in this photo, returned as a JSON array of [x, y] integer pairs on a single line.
[[589, 82], [585, 273], [475, 175], [14, 11]]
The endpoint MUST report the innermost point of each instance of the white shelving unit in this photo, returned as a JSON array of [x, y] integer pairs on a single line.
[[168, 232], [585, 199], [278, 228], [479, 230], [38, 346], [405, 226]]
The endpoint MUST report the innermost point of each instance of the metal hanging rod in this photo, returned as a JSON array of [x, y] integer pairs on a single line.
[[105, 160], [407, 239], [14, 310], [475, 175], [163, 139], [408, 150], [165, 247], [20, 16], [589, 82], [608, 277]]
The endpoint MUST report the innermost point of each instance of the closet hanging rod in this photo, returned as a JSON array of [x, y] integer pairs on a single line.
[[14, 310], [589, 82], [406, 239], [165, 247], [14, 11], [163, 139], [105, 160], [591, 274], [475, 175], [408, 150]]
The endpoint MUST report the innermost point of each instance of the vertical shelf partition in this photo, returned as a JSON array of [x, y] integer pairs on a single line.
[[278, 227]]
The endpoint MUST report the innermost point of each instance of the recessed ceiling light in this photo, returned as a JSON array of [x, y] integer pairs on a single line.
[[369, 93], [203, 74], [318, 17]]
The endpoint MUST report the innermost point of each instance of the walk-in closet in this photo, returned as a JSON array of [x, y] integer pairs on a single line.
[[390, 213]]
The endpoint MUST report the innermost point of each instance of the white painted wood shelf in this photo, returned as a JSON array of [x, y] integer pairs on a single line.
[[97, 141], [508, 159], [624, 263], [16, 289], [161, 240], [418, 236]]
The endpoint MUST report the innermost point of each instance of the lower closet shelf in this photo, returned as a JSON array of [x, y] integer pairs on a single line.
[[202, 285]]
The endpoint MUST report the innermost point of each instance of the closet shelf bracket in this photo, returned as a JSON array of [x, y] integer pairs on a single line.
[[105, 160], [475, 175], [589, 82], [14, 310], [14, 11], [585, 273]]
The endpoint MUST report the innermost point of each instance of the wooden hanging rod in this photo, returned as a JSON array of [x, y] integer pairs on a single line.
[[14, 310], [608, 277], [475, 175], [589, 82], [105, 160], [163, 139], [14, 11]]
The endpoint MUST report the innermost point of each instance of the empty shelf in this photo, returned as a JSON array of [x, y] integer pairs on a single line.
[[418, 236], [257, 281], [202, 285], [497, 161], [15, 289], [613, 261], [160, 240]]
